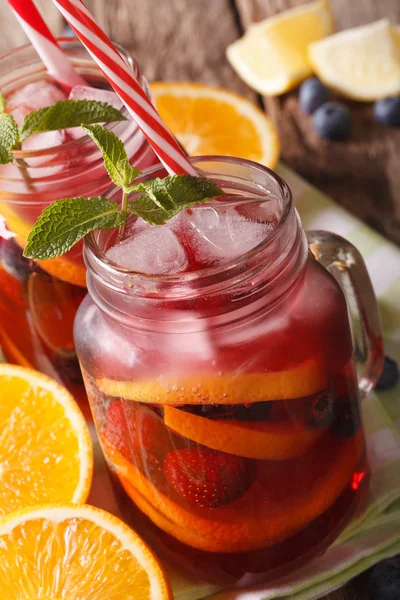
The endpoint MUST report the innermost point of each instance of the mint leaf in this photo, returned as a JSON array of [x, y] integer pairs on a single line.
[[69, 113], [164, 198], [62, 224], [114, 154], [6, 156], [146, 208], [8, 137], [3, 103]]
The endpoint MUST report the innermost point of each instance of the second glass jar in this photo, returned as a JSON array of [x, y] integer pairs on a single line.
[[38, 301]]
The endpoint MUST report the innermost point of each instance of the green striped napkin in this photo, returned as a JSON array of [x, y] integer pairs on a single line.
[[375, 534]]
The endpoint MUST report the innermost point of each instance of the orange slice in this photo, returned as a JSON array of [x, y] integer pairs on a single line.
[[61, 267], [210, 120], [264, 441], [305, 379], [16, 338], [14, 353], [53, 305], [66, 270], [70, 551], [285, 497], [45, 447]]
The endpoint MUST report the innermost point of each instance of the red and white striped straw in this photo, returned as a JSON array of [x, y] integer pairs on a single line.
[[125, 85], [41, 38]]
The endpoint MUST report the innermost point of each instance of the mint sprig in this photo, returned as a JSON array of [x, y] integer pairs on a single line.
[[9, 137], [64, 114], [3, 103], [65, 222], [162, 199], [114, 154], [68, 113]]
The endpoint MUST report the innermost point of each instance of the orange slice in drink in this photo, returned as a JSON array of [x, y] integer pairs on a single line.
[[61, 267], [285, 497], [210, 120], [66, 270], [45, 447], [70, 551], [263, 441], [53, 305], [20, 354], [305, 379], [15, 329]]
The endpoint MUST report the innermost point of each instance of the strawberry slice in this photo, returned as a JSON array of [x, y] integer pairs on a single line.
[[139, 434], [120, 427], [206, 477]]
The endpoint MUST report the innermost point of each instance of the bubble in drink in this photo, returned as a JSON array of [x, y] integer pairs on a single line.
[[155, 251], [83, 92], [219, 235], [36, 95]]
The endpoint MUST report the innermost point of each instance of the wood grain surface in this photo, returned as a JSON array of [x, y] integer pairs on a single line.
[[362, 174], [186, 40]]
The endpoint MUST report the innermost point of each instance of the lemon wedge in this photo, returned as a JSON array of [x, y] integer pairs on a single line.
[[362, 63], [272, 56]]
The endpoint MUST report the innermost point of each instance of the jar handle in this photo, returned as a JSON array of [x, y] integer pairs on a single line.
[[347, 266]]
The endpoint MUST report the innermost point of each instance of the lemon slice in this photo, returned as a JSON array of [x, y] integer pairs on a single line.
[[75, 552], [362, 63], [272, 56], [203, 118]]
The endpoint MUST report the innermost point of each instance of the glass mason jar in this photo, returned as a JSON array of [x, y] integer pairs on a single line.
[[38, 301], [226, 399]]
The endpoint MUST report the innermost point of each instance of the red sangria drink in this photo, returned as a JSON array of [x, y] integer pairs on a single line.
[[218, 361], [38, 301]]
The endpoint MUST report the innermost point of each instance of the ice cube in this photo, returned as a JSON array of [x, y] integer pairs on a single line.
[[83, 92], [36, 95], [20, 112], [154, 251], [219, 235], [42, 141]]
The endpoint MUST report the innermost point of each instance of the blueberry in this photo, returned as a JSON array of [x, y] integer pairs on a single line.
[[332, 120], [387, 111], [322, 410], [348, 419], [12, 260], [384, 581], [313, 94], [258, 411], [390, 375]]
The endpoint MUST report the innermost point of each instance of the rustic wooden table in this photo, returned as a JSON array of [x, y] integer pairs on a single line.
[[186, 40]]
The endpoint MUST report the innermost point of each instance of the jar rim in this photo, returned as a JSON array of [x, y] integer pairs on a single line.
[[78, 143], [96, 257]]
